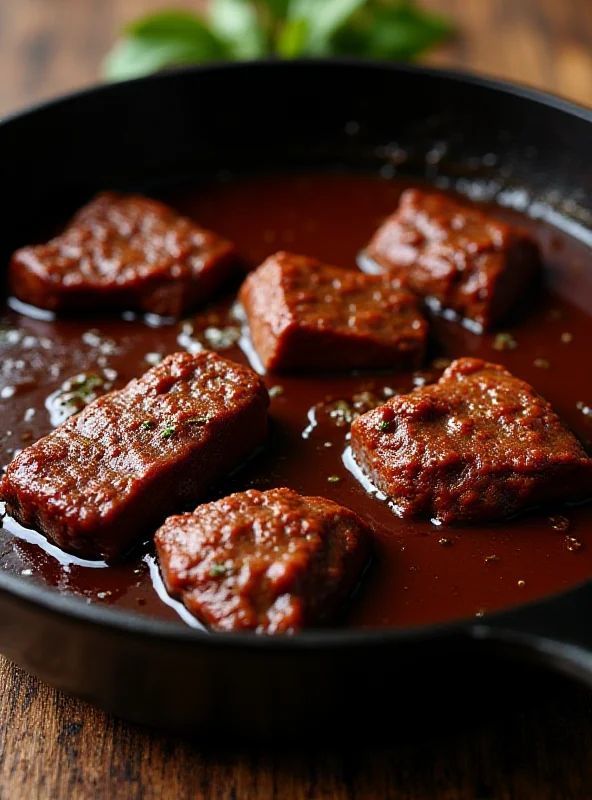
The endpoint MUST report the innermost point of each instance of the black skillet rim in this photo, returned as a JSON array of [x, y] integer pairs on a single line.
[[127, 621]]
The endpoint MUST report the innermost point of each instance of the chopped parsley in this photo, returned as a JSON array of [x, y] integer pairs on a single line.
[[384, 425], [147, 425], [168, 431], [504, 341], [571, 543], [559, 523], [343, 412], [74, 394], [86, 384], [205, 418], [217, 570]]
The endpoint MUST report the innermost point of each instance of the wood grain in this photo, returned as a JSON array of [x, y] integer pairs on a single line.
[[49, 47], [543, 43], [52, 746]]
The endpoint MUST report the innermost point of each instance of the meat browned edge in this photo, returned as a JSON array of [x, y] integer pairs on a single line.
[[305, 315], [478, 445], [115, 471], [456, 254], [123, 252], [269, 562]]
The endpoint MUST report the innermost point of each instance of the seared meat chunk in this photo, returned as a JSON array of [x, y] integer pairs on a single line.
[[478, 445], [305, 315], [115, 471], [269, 562], [123, 252], [456, 254]]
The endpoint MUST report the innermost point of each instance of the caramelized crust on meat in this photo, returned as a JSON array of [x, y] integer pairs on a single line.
[[269, 562], [123, 252], [306, 315], [113, 472], [478, 445], [456, 254]]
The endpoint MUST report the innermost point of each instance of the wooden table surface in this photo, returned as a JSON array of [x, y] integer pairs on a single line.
[[52, 746]]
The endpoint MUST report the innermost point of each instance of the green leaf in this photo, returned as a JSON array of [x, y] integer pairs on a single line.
[[400, 31], [167, 24], [162, 40], [292, 39], [277, 8], [237, 23], [323, 18], [405, 33], [291, 28]]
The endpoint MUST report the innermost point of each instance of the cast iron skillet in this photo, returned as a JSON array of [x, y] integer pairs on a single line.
[[196, 122]]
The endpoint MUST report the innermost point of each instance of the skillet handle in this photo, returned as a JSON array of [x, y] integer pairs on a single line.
[[556, 632]]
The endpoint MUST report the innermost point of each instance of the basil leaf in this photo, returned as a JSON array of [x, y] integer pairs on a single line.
[[405, 32], [323, 20], [277, 8], [401, 31], [167, 25], [292, 39], [162, 40], [238, 24], [291, 28]]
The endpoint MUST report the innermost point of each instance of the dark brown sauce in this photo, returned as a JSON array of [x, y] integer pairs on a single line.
[[420, 573]]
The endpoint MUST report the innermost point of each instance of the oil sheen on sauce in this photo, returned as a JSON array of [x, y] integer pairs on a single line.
[[420, 573]]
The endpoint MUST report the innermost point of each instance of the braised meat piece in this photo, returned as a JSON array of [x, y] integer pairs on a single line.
[[478, 445], [269, 562], [116, 470], [456, 255], [123, 252], [305, 315]]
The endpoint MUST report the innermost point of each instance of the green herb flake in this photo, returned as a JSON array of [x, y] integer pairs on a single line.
[[504, 341], [203, 420], [168, 431], [333, 478], [384, 425], [84, 384], [572, 544], [147, 425], [559, 523], [218, 570]]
